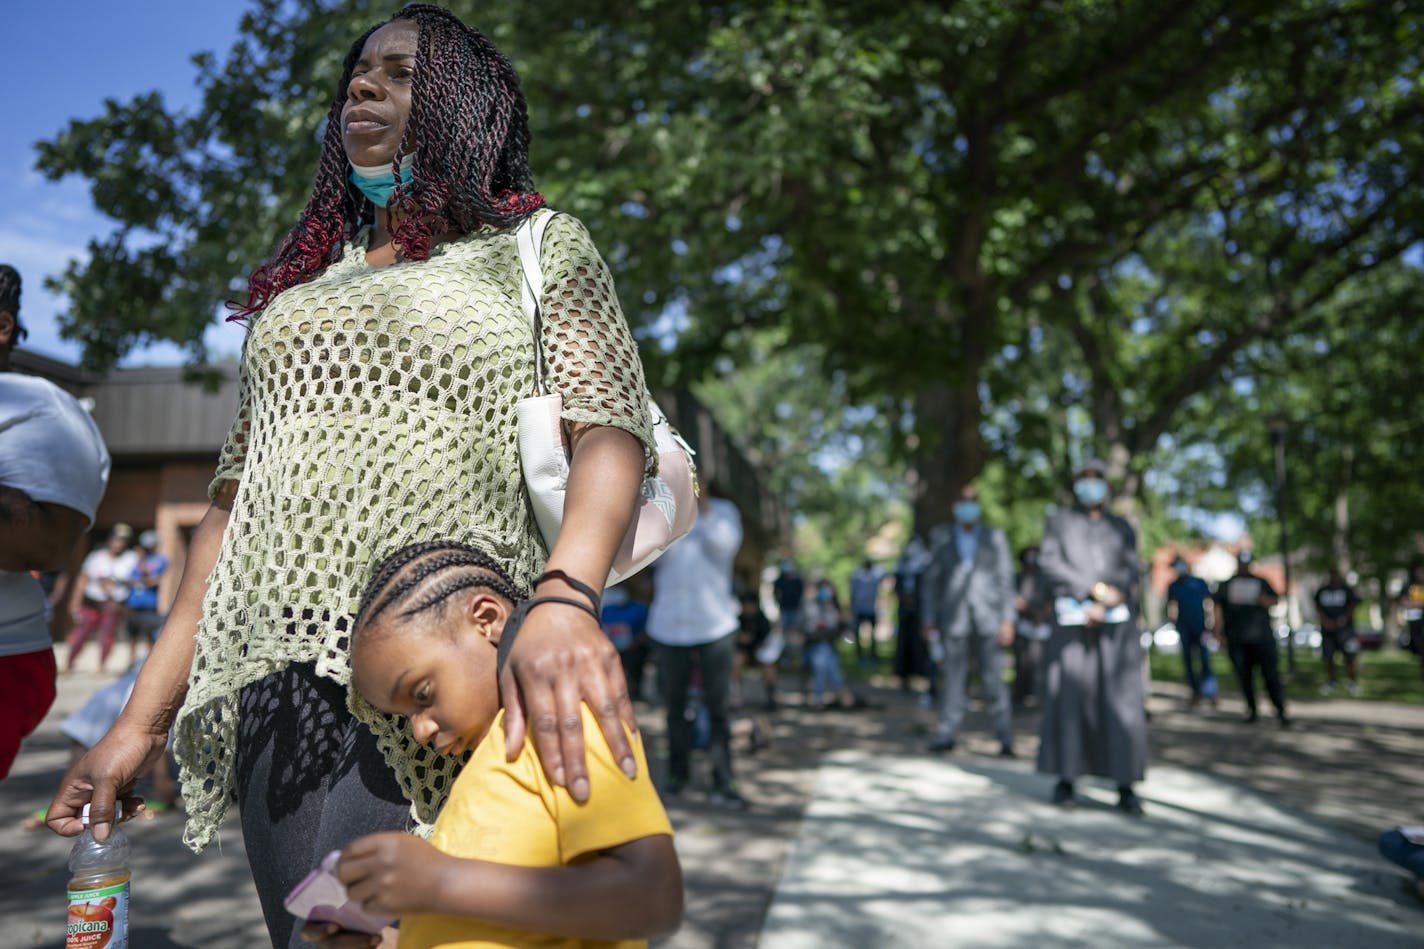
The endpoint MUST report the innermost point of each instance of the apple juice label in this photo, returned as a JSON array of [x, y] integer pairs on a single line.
[[98, 918]]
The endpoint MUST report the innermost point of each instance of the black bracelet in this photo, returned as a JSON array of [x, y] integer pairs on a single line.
[[516, 620], [574, 582]]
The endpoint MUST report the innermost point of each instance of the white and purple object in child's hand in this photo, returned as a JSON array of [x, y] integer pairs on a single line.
[[321, 898]]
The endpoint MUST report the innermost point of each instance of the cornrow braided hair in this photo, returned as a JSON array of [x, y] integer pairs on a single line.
[[469, 131], [454, 565]]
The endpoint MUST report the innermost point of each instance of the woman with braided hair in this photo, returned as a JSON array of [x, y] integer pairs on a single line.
[[386, 350]]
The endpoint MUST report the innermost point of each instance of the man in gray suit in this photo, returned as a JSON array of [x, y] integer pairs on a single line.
[[969, 608]]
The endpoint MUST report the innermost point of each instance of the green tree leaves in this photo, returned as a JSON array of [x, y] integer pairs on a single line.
[[1017, 232]]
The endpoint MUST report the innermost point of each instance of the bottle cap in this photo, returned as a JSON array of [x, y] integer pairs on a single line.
[[118, 812]]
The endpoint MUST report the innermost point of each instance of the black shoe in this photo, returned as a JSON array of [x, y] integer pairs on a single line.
[[1285, 720], [1250, 719], [1007, 751], [1128, 803], [1063, 794], [942, 746], [728, 800]]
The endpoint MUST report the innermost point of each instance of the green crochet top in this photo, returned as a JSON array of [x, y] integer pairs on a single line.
[[377, 409]]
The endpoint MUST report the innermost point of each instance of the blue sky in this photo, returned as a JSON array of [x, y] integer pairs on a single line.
[[65, 59]]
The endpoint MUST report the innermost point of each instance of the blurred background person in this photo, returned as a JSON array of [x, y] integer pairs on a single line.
[[693, 623], [1094, 716], [1335, 603], [1243, 607], [912, 655], [755, 648], [789, 591], [1411, 610], [99, 594], [969, 609], [1033, 608], [53, 472], [865, 583], [143, 619], [1187, 599], [824, 624], [1404, 846], [625, 619]]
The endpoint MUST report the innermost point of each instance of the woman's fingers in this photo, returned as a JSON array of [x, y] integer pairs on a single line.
[[513, 701], [107, 773], [541, 711], [64, 810], [570, 733], [607, 695]]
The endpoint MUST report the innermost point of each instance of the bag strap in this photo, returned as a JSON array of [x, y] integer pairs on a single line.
[[530, 237]]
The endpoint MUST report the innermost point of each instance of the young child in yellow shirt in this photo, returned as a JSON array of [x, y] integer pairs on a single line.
[[513, 860]]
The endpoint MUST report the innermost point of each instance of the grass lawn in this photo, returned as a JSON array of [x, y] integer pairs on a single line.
[[1385, 675]]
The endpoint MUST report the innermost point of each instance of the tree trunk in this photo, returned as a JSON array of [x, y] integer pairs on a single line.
[[1340, 531], [949, 450]]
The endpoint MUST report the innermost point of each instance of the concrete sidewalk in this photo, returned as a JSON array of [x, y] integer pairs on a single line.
[[919, 851], [858, 838]]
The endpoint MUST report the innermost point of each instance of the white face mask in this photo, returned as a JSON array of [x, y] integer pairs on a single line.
[[1090, 492]]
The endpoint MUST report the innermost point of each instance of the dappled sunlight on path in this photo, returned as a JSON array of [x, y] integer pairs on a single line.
[[917, 851]]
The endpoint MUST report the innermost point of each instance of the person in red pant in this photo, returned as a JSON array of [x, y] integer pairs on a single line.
[[99, 594], [53, 471]]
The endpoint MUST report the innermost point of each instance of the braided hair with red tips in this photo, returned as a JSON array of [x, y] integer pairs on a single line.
[[469, 132]]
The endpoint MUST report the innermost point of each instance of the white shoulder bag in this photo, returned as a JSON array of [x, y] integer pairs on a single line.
[[667, 508]]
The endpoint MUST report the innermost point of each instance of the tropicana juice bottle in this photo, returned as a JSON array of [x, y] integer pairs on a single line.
[[99, 889]]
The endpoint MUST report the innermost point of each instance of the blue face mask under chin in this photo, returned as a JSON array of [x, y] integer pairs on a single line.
[[378, 183]]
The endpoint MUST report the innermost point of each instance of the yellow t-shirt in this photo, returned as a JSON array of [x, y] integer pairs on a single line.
[[508, 812]]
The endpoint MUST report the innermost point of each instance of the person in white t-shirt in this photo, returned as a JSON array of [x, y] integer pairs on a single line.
[[99, 594], [694, 619], [53, 471]]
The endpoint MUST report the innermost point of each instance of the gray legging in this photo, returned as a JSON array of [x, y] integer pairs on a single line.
[[309, 780]]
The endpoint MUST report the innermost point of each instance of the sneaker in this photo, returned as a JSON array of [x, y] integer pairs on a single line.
[[728, 800], [942, 746], [1128, 802], [1328, 688], [1250, 718], [1284, 720], [1007, 751], [925, 700], [1353, 688], [1063, 794]]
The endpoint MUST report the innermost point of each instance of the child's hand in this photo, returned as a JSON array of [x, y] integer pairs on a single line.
[[333, 936], [393, 874]]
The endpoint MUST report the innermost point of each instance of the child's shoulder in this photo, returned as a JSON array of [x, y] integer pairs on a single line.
[[489, 756]]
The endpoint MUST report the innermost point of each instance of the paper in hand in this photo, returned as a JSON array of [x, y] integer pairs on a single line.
[[321, 898]]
